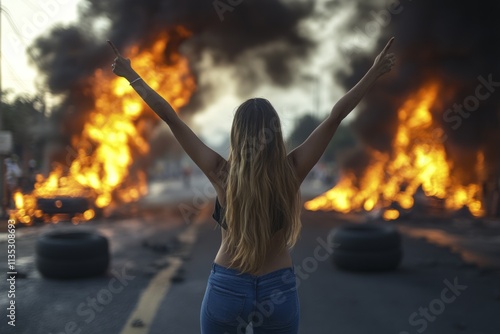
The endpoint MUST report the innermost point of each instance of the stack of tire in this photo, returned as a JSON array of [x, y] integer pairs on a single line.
[[72, 253], [366, 247]]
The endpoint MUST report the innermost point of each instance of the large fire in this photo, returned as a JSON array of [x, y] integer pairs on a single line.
[[418, 159], [113, 135]]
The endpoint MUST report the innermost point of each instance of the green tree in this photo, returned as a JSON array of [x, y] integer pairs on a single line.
[[343, 139], [303, 127], [24, 116]]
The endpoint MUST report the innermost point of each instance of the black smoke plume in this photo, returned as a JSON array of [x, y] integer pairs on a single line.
[[454, 42], [242, 34]]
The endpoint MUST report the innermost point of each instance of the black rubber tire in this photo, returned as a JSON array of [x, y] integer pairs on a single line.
[[365, 237], [67, 269], [366, 247], [72, 253], [367, 261], [69, 205], [72, 244]]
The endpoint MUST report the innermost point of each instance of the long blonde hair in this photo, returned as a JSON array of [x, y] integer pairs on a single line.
[[262, 194]]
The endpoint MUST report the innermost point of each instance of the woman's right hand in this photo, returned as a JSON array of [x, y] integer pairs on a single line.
[[384, 61], [122, 66]]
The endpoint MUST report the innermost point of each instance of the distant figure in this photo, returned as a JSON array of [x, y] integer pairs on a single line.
[[32, 166], [258, 204], [12, 174]]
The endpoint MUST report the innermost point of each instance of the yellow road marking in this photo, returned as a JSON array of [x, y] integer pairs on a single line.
[[151, 298]]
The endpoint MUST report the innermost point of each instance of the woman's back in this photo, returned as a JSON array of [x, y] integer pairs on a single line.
[[275, 258], [277, 255], [257, 187]]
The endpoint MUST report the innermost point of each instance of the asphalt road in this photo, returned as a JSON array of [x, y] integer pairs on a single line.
[[161, 258]]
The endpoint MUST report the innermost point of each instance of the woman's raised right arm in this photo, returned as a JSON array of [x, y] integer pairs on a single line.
[[204, 157]]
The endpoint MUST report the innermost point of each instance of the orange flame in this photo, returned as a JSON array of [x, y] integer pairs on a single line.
[[418, 159], [114, 134]]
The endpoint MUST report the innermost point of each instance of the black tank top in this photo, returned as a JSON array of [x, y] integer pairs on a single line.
[[218, 214]]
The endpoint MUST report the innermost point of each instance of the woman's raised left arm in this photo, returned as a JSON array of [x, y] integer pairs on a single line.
[[306, 155]]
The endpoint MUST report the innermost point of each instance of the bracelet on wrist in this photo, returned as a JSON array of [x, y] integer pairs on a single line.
[[135, 80]]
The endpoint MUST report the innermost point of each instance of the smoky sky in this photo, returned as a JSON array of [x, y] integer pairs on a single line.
[[68, 55], [240, 35], [454, 42]]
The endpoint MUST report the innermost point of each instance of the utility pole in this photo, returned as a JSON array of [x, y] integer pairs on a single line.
[[318, 96], [1, 62], [2, 164], [5, 140]]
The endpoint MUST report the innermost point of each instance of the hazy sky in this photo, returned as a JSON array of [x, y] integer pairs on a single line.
[[30, 18]]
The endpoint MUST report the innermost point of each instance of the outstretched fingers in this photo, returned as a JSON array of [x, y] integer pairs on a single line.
[[115, 49], [387, 46]]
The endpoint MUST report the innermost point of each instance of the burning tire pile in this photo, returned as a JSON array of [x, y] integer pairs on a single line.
[[71, 253], [366, 247]]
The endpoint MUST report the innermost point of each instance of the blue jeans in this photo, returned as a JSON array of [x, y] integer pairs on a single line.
[[269, 302]]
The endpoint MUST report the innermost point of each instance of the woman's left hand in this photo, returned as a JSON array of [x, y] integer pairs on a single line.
[[122, 66]]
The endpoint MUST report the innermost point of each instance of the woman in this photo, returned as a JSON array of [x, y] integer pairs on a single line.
[[258, 204]]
